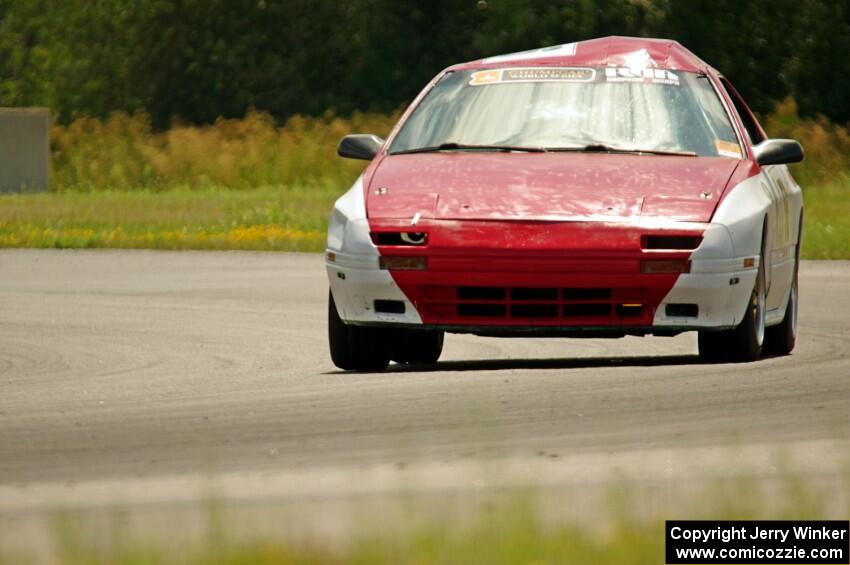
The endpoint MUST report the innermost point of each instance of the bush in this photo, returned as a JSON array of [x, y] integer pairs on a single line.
[[124, 153], [827, 145]]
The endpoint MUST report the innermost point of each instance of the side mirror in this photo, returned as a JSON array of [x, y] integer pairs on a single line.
[[359, 146], [778, 152]]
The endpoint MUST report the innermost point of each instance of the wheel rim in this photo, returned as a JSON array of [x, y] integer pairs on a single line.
[[758, 313]]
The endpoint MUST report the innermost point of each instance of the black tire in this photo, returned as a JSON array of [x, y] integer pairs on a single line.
[[356, 348], [713, 346], [745, 342], [417, 347], [782, 338], [748, 337]]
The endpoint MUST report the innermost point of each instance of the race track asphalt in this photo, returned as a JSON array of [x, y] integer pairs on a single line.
[[156, 368]]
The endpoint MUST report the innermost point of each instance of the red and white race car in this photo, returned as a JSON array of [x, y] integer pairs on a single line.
[[604, 188]]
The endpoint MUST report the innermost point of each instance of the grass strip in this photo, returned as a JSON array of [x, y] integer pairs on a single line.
[[269, 218]]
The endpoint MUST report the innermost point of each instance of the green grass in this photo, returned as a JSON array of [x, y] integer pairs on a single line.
[[513, 544], [826, 229], [516, 539], [499, 527], [268, 218]]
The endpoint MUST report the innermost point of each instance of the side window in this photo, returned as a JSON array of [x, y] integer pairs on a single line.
[[751, 127]]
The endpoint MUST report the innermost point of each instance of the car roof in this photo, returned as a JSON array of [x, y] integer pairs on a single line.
[[614, 51]]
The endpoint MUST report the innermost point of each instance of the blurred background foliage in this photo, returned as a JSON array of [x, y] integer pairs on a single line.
[[197, 60]]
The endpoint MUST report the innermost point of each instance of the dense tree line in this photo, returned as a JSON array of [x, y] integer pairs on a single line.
[[195, 60]]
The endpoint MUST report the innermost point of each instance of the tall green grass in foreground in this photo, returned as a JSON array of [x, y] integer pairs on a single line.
[[516, 536], [251, 184], [503, 527]]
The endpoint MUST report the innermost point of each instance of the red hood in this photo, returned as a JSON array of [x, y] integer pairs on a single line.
[[547, 186]]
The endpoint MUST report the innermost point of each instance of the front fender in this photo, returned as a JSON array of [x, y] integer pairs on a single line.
[[743, 211]]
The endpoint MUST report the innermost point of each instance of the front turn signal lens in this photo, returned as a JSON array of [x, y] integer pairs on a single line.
[[666, 267], [404, 263]]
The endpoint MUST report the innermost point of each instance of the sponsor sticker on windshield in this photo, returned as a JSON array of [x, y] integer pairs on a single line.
[[534, 74], [645, 74], [727, 148]]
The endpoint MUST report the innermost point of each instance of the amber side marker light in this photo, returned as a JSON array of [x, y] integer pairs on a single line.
[[666, 266], [404, 263]]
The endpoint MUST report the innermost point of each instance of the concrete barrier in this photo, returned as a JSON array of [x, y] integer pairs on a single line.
[[24, 149]]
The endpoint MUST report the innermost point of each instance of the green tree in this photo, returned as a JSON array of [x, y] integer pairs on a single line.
[[752, 43], [819, 70], [196, 60]]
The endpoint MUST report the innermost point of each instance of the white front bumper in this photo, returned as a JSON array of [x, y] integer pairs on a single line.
[[356, 282]]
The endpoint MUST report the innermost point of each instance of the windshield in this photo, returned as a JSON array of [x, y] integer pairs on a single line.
[[571, 108]]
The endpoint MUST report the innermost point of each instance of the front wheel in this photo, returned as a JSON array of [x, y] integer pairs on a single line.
[[356, 348], [745, 342], [417, 347], [781, 339]]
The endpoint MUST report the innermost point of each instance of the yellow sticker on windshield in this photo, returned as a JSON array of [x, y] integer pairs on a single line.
[[485, 77], [727, 148]]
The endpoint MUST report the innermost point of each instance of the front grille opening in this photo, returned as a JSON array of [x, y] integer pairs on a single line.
[[480, 293], [682, 310], [587, 293], [504, 303], [481, 310], [389, 306], [549, 294], [586, 310], [629, 310], [671, 241], [534, 311]]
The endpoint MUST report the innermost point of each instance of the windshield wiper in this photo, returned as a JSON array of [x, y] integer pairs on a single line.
[[603, 148], [589, 148], [452, 146]]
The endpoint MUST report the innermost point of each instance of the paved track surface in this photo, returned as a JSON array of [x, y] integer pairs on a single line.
[[157, 367]]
